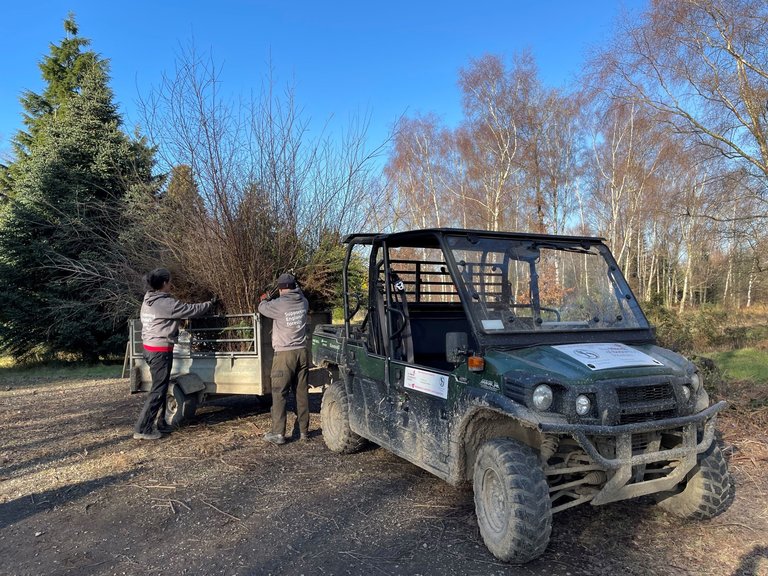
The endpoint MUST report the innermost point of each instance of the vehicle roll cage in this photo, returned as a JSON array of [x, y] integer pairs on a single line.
[[443, 275]]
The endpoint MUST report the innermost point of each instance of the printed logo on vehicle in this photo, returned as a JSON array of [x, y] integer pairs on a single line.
[[604, 356], [427, 382], [489, 385]]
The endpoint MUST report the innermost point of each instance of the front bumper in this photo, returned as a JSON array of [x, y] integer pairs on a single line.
[[622, 462]]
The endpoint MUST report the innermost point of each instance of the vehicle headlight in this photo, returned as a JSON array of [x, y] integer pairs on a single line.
[[687, 393], [695, 381], [583, 405], [542, 397]]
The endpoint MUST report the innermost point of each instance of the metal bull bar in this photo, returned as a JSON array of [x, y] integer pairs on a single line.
[[617, 487]]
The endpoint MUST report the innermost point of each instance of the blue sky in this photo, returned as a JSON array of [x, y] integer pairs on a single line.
[[343, 58]]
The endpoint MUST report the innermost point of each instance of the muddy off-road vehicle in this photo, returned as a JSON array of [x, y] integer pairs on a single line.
[[521, 363]]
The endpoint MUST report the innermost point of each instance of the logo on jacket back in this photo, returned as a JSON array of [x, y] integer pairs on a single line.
[[295, 318]]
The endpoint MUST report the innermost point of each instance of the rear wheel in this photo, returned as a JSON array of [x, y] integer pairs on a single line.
[[707, 491], [179, 406], [512, 501], [334, 416]]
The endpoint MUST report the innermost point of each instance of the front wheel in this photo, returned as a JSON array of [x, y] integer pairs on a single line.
[[707, 491], [179, 406], [334, 417], [512, 502]]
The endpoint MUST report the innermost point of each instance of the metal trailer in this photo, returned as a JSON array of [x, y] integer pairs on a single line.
[[214, 355]]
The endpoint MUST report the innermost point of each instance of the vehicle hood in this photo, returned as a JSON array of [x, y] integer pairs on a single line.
[[588, 362]]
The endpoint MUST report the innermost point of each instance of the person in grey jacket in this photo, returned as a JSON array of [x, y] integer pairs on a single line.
[[290, 364], [160, 317]]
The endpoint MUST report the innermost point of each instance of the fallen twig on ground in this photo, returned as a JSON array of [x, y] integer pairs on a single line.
[[220, 511]]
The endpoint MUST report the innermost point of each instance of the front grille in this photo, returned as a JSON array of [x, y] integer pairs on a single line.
[[645, 393], [642, 403]]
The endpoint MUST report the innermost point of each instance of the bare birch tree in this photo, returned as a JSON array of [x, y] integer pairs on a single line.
[[704, 63]]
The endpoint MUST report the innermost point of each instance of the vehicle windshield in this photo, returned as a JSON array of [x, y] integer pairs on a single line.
[[532, 285]]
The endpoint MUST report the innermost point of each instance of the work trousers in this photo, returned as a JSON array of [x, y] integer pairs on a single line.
[[290, 370], [160, 364]]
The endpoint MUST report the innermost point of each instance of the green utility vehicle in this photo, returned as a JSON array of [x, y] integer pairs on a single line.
[[521, 363]]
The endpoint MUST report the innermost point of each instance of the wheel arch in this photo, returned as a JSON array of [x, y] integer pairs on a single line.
[[484, 423]]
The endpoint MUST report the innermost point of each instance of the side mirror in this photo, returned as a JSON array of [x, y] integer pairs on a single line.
[[455, 346]]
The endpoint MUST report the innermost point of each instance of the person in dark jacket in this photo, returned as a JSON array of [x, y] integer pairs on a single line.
[[290, 364], [160, 317]]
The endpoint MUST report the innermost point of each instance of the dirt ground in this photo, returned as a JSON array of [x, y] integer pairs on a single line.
[[79, 496]]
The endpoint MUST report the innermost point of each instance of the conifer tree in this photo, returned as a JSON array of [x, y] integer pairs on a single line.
[[64, 210]]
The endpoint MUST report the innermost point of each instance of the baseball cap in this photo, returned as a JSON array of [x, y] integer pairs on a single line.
[[286, 281]]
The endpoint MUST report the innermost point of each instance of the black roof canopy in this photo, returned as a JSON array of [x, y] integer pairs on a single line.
[[429, 237]]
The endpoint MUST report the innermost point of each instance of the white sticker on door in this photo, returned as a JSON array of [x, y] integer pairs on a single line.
[[427, 382]]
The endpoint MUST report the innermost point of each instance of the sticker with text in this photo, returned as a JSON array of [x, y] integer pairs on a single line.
[[427, 382], [605, 356]]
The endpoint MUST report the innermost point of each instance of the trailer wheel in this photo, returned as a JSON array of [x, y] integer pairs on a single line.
[[707, 491], [512, 502], [179, 406], [334, 416]]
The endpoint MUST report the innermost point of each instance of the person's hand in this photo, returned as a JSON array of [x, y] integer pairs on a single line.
[[215, 306], [263, 297]]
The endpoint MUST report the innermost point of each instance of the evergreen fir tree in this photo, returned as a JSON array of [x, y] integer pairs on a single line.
[[59, 254]]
